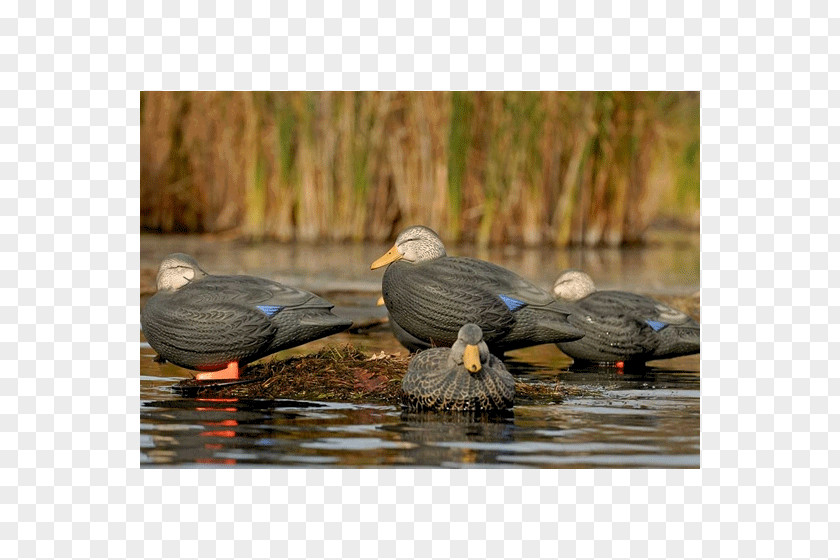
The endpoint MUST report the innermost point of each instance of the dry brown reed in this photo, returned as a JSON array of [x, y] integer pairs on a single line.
[[488, 167]]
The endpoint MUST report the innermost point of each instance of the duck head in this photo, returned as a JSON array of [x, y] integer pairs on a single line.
[[573, 285], [177, 270], [413, 244], [470, 350]]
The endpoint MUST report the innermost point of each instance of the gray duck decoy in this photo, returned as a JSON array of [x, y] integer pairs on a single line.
[[216, 324], [623, 328], [431, 295], [464, 377], [409, 341]]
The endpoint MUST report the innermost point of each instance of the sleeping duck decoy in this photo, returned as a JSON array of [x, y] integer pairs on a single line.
[[464, 377], [622, 327], [217, 324], [431, 295]]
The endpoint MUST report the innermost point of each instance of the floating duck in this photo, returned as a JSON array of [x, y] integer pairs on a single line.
[[431, 295], [464, 377], [217, 324], [621, 327]]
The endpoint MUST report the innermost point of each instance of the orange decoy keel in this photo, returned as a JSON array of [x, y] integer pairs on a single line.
[[230, 372]]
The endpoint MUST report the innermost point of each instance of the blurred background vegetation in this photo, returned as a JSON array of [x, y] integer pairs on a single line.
[[530, 168]]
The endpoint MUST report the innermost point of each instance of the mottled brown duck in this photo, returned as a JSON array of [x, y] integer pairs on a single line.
[[464, 377]]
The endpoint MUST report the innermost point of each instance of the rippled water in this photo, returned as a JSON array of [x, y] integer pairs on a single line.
[[610, 419]]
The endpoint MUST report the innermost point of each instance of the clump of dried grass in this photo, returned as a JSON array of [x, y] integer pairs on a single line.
[[337, 374]]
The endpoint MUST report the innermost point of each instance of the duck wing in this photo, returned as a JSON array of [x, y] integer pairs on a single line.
[[256, 292], [434, 299], [638, 308], [502, 281]]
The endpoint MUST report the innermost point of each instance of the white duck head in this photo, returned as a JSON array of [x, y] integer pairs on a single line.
[[178, 270], [573, 285], [413, 244]]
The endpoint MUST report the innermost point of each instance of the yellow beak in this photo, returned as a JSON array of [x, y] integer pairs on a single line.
[[380, 301], [389, 257], [471, 358]]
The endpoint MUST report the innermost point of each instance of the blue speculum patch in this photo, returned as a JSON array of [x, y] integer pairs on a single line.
[[656, 325], [270, 310], [512, 304]]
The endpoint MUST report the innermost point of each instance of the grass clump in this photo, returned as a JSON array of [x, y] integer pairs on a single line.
[[334, 373], [338, 374]]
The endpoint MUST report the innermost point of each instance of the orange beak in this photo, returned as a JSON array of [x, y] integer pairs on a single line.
[[472, 361], [389, 257]]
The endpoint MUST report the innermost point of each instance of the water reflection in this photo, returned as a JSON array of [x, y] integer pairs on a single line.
[[449, 438], [609, 418], [209, 431]]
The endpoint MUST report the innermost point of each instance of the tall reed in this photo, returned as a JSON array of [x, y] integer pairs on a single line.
[[489, 167]]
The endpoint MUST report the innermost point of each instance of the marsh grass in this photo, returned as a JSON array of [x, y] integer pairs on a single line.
[[528, 168]]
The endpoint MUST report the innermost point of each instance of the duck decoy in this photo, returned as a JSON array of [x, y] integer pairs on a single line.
[[464, 377], [409, 342], [623, 328], [431, 295], [216, 324]]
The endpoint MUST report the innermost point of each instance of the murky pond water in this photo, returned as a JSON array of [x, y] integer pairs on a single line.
[[609, 418]]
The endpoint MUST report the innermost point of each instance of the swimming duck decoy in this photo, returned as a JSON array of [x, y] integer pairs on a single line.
[[216, 324], [431, 295], [622, 327], [464, 377]]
